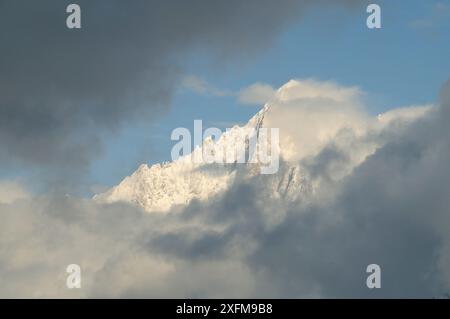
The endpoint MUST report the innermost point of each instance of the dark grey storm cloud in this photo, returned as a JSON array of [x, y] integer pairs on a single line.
[[60, 89]]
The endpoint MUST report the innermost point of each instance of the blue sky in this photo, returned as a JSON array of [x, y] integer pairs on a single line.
[[402, 64]]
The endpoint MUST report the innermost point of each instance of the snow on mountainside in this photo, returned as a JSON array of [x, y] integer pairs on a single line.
[[311, 116], [160, 187]]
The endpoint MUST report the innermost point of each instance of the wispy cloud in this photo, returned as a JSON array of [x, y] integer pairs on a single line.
[[200, 86], [254, 94]]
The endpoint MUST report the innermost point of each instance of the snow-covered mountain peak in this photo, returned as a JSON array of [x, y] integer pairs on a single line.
[[162, 186]]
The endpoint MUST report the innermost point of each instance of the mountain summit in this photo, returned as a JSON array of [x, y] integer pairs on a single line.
[[324, 133], [162, 186]]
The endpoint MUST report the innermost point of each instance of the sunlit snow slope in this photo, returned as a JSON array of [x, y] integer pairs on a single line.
[[314, 119]]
